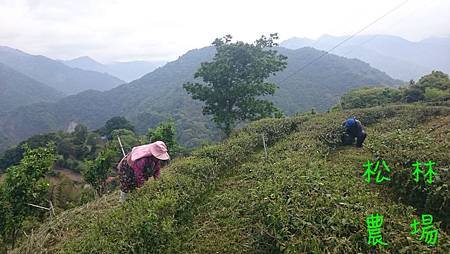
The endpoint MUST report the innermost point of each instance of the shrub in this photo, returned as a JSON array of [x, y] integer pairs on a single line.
[[369, 97]]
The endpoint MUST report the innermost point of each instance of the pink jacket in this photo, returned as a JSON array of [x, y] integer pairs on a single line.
[[139, 166]]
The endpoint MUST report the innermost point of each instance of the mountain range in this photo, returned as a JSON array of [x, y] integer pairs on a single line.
[[18, 90], [127, 71], [159, 95], [56, 74], [394, 55]]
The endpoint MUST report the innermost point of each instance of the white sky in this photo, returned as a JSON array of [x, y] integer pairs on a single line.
[[109, 30]]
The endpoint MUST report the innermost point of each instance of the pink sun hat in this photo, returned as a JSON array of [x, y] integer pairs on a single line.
[[157, 149]]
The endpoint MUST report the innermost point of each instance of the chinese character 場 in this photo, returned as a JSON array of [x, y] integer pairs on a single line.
[[429, 234]]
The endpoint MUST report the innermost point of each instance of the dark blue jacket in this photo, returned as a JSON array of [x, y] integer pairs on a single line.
[[353, 127]]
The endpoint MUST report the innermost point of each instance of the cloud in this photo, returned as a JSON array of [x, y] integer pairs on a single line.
[[111, 30]]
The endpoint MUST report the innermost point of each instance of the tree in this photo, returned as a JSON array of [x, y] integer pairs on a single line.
[[431, 87], [92, 142], [97, 171], [165, 132], [413, 94], [235, 80], [80, 134], [115, 123], [25, 183], [79, 137], [65, 147], [436, 79]]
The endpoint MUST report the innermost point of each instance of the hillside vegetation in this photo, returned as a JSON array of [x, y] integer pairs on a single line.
[[431, 88], [159, 94], [307, 196]]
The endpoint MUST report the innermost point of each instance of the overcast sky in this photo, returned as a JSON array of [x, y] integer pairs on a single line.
[[109, 30]]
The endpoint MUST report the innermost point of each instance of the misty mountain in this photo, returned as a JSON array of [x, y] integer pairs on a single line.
[[86, 63], [18, 90], [55, 74], [159, 95], [396, 56], [127, 71]]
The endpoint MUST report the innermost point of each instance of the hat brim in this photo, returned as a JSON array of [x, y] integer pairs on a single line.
[[163, 156]]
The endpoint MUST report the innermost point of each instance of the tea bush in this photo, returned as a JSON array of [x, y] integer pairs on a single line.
[[408, 143], [309, 196]]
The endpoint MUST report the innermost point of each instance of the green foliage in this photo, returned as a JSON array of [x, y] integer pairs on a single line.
[[435, 94], [74, 165], [24, 183], [115, 123], [65, 147], [369, 97], [308, 196], [97, 171], [436, 79], [79, 140], [66, 194], [5, 217], [87, 195], [93, 143], [14, 155], [80, 134], [235, 79], [434, 86], [431, 87], [72, 148], [165, 132], [413, 94]]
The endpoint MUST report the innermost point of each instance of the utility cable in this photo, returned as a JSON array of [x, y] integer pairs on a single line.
[[344, 41]]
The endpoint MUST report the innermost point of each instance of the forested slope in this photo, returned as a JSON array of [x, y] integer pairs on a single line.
[[159, 95]]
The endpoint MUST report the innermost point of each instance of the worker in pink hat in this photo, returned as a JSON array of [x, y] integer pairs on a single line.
[[140, 164]]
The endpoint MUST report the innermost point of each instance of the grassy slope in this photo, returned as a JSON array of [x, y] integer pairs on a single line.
[[308, 196]]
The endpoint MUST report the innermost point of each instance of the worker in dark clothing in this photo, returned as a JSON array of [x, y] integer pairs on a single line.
[[353, 129]]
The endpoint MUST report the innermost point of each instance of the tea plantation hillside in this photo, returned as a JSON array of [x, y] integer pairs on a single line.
[[309, 196]]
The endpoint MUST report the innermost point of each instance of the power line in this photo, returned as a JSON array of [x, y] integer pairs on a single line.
[[377, 35], [345, 40]]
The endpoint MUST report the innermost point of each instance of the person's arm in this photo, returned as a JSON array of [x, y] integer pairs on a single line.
[[120, 163], [138, 169], [359, 127]]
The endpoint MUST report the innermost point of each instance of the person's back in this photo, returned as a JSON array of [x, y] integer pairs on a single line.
[[353, 129], [133, 169]]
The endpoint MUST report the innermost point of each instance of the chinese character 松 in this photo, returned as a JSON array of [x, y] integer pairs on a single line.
[[369, 172]]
